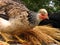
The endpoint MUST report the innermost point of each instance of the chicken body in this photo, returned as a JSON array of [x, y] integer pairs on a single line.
[[19, 19]]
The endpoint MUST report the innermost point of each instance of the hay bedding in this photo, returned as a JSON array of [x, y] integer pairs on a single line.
[[44, 36], [3, 43], [39, 35]]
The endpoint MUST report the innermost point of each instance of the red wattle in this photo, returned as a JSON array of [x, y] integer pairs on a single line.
[[43, 17]]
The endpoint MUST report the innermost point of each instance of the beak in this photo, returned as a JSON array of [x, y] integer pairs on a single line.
[[47, 17]]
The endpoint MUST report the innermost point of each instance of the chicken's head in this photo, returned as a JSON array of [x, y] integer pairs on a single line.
[[42, 14]]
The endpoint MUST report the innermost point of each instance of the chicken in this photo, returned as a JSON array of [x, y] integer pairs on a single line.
[[18, 17]]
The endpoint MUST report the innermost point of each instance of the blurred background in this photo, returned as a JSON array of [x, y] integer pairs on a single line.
[[50, 5]]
